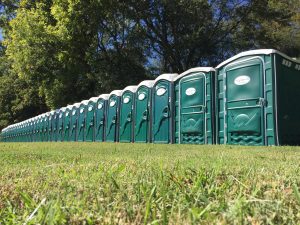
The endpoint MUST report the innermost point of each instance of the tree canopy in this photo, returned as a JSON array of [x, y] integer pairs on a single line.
[[57, 52]]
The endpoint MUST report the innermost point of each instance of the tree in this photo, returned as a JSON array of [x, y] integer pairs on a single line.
[[74, 50]]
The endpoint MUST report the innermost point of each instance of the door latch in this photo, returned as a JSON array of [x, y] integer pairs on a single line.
[[262, 102]]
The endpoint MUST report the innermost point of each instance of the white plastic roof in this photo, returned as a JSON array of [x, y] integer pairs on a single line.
[[69, 106], [84, 102], [104, 96], [93, 99], [166, 76], [256, 52], [147, 83], [116, 92], [194, 70], [63, 109], [130, 88], [76, 105]]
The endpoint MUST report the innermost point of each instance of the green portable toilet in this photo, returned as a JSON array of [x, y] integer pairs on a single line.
[[19, 132], [34, 129], [90, 119], [5, 134], [46, 127], [55, 119], [60, 126], [142, 112], [31, 130], [100, 117], [113, 113], [24, 131], [40, 128], [24, 134], [162, 108], [74, 122], [258, 99], [8, 134], [67, 123], [126, 124], [15, 132], [194, 106], [50, 130], [81, 120]]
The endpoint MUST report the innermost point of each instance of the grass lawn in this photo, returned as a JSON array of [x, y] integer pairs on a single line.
[[102, 183]]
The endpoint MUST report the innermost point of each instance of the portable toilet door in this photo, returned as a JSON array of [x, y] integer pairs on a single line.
[[90, 119], [50, 125], [60, 126], [81, 120], [36, 129], [8, 134], [33, 129], [113, 114], [46, 127], [258, 99], [142, 113], [74, 122], [162, 108], [18, 133], [194, 106], [100, 117], [41, 128], [15, 132], [25, 135], [67, 123], [32, 137], [126, 124], [55, 125]]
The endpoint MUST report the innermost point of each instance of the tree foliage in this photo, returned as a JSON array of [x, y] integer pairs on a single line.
[[57, 52]]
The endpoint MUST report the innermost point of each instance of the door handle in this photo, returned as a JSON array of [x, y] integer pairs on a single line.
[[262, 102]]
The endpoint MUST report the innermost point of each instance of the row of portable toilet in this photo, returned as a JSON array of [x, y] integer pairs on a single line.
[[250, 99]]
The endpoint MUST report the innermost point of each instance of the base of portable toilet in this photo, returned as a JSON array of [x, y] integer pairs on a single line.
[[162, 109], [258, 99], [194, 106], [143, 112]]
